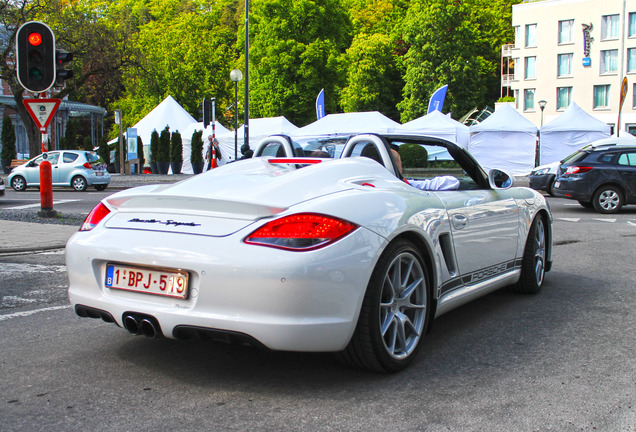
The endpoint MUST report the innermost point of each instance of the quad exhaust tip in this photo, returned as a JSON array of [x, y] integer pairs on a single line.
[[141, 326]]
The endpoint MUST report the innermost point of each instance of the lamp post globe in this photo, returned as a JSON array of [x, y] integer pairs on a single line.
[[236, 75]]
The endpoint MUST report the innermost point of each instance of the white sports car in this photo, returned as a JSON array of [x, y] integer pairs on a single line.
[[308, 254]]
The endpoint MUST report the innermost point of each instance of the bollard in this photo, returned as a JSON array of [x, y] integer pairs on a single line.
[[46, 190]]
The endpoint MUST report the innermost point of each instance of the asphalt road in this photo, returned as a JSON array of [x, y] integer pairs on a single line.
[[562, 360]]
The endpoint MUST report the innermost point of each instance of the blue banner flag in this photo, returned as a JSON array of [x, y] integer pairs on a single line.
[[320, 104], [437, 100]]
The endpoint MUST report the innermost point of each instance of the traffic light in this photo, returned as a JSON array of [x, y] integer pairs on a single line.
[[35, 55], [62, 58], [207, 107]]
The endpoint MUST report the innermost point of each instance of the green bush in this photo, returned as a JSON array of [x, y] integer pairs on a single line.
[[196, 148], [413, 156], [140, 154], [163, 149], [176, 147], [506, 99], [104, 151], [154, 145], [8, 140]]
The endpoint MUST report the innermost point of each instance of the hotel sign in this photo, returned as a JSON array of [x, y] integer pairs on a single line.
[[587, 44]]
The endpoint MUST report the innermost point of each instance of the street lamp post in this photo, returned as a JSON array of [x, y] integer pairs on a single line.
[[537, 156], [236, 76]]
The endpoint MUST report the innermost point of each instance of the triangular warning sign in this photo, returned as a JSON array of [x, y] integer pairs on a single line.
[[42, 110]]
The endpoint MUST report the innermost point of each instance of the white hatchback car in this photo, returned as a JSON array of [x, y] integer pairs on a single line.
[[76, 168]]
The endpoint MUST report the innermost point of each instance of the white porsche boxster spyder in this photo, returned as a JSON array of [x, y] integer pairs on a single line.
[[308, 254]]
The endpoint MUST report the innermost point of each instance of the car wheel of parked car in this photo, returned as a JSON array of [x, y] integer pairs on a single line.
[[533, 264], [100, 187], [18, 183], [79, 183], [394, 314], [586, 204], [607, 199]]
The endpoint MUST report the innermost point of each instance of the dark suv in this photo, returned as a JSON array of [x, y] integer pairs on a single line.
[[602, 177]]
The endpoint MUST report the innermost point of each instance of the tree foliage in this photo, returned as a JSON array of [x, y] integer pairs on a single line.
[[176, 147], [7, 140]]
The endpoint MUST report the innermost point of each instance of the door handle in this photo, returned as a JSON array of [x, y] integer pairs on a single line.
[[459, 221]]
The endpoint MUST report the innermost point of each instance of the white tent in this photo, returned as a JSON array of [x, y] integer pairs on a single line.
[[438, 125], [167, 113], [348, 124], [505, 140], [259, 129], [186, 139], [569, 132]]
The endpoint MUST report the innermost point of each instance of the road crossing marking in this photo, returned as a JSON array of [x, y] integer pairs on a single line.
[[39, 204], [31, 312]]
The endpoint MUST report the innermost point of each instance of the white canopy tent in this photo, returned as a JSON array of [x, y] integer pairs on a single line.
[[569, 132], [505, 140], [442, 126], [348, 124], [259, 129], [186, 139]]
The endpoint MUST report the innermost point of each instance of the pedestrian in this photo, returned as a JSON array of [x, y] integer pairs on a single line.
[[213, 143]]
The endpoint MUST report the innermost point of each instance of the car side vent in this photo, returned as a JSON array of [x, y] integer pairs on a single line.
[[446, 245]]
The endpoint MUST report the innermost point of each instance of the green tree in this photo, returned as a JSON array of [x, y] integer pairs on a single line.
[[163, 149], [104, 151], [140, 154], [176, 147], [455, 43], [413, 156], [7, 140], [374, 82], [295, 51], [154, 145], [196, 147]]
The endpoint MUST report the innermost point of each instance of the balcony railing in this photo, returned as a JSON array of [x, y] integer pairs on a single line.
[[506, 50], [507, 79]]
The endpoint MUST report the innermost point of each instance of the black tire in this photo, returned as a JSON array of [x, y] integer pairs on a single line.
[[79, 183], [551, 187], [18, 183], [607, 199], [533, 265], [100, 187], [394, 314], [586, 204]]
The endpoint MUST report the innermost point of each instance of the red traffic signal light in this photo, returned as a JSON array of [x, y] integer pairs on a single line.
[[35, 55]]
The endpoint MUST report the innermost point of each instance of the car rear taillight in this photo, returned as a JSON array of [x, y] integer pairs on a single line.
[[301, 232], [574, 169], [87, 165], [94, 217]]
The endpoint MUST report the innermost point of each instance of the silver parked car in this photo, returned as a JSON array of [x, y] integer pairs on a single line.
[[76, 168]]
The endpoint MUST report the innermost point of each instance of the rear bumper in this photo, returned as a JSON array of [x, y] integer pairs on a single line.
[[572, 188]]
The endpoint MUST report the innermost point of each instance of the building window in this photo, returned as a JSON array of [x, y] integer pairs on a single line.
[[631, 60], [531, 35], [516, 94], [609, 27], [530, 67], [564, 97], [516, 70], [601, 96], [564, 65], [609, 61], [566, 32], [634, 96], [632, 24], [528, 100], [517, 36]]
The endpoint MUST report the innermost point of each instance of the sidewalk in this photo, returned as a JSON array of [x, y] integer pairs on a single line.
[[17, 237]]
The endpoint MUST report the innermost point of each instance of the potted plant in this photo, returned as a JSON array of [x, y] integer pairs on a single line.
[[163, 151], [140, 155], [8, 145], [196, 152], [176, 152], [154, 149]]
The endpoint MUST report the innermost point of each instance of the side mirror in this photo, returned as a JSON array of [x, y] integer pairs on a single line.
[[500, 180]]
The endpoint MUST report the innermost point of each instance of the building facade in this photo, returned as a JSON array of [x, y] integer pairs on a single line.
[[573, 51]]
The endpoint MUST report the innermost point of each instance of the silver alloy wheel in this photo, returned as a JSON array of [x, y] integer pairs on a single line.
[[79, 183], [609, 200], [18, 183], [539, 252], [403, 306]]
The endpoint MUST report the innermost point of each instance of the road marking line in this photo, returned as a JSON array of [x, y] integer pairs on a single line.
[[38, 205], [569, 219], [31, 312], [604, 220]]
